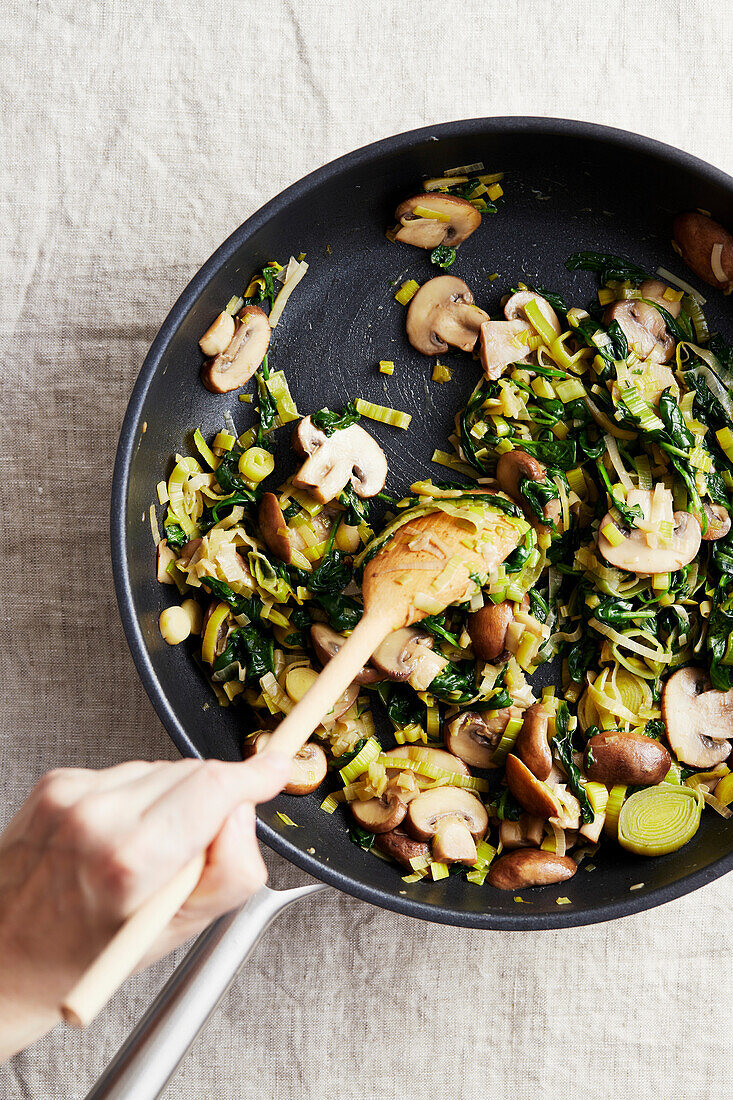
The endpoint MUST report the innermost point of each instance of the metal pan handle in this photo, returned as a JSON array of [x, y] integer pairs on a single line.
[[147, 1060]]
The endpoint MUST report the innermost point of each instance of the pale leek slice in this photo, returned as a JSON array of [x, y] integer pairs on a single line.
[[658, 820]]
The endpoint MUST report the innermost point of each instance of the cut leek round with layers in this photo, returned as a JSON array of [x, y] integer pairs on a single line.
[[659, 820]]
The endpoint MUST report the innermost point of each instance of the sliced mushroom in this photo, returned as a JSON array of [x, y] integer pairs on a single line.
[[718, 522], [458, 219], [234, 366], [653, 290], [380, 815], [306, 437], [644, 328], [165, 558], [530, 868], [516, 465], [487, 627], [532, 745], [516, 308], [503, 343], [535, 796], [635, 555], [453, 817], [274, 529], [349, 455], [406, 654], [527, 832], [402, 847], [218, 336], [308, 769], [189, 549], [443, 314], [473, 735], [699, 720], [615, 756], [342, 704], [327, 642]]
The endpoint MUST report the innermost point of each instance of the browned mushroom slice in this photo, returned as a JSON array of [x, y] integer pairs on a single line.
[[516, 465], [487, 627], [328, 642], [635, 555], [401, 847], [342, 704], [218, 336], [644, 328], [306, 437], [308, 769], [532, 745], [453, 817], [234, 366], [274, 529], [407, 654], [699, 720], [503, 343], [718, 521], [515, 308], [474, 735], [456, 220], [348, 455], [531, 793], [527, 867], [379, 815], [442, 315]]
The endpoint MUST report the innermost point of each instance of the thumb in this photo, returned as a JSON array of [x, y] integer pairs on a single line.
[[268, 772]]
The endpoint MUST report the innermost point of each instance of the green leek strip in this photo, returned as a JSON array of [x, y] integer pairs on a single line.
[[297, 271], [452, 462], [660, 656], [331, 802], [278, 388], [432, 771], [658, 820], [287, 820], [383, 413], [616, 798], [369, 752], [439, 870], [205, 450], [506, 744], [539, 322], [477, 876]]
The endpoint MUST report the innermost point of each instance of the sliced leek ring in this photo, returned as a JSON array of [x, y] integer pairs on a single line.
[[658, 820]]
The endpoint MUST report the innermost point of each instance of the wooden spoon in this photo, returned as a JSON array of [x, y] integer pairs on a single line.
[[412, 563], [392, 581]]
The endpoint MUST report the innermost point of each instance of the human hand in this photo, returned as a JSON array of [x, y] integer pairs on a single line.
[[88, 847]]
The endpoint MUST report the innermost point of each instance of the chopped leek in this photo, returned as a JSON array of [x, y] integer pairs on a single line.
[[658, 820], [383, 413]]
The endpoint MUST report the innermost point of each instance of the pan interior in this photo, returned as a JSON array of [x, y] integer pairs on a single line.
[[567, 187]]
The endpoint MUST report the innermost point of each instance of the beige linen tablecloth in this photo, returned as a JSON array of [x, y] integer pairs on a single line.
[[135, 137]]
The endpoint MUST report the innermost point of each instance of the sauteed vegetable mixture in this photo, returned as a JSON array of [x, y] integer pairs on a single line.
[[605, 435]]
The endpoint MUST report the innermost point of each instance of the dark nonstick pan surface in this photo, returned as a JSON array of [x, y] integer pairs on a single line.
[[568, 186]]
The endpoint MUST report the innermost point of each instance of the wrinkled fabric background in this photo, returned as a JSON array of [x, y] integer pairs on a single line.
[[135, 137]]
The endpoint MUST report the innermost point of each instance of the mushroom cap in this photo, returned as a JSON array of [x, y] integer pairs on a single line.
[[532, 746], [487, 629], [379, 815], [699, 719], [402, 847], [348, 455], [234, 366], [327, 642], [515, 465], [617, 756], [473, 735], [531, 793], [644, 328], [653, 290], [499, 346], [308, 768], [718, 519], [274, 529], [515, 308], [527, 832], [306, 437], [342, 704], [442, 314], [425, 812], [635, 555], [696, 236], [463, 217], [529, 867]]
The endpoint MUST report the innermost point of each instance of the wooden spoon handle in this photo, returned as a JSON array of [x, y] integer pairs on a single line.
[[129, 945], [296, 728]]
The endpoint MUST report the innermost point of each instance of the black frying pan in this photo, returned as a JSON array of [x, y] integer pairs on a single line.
[[568, 186]]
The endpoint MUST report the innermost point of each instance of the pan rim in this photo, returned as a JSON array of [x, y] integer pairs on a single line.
[[409, 906]]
